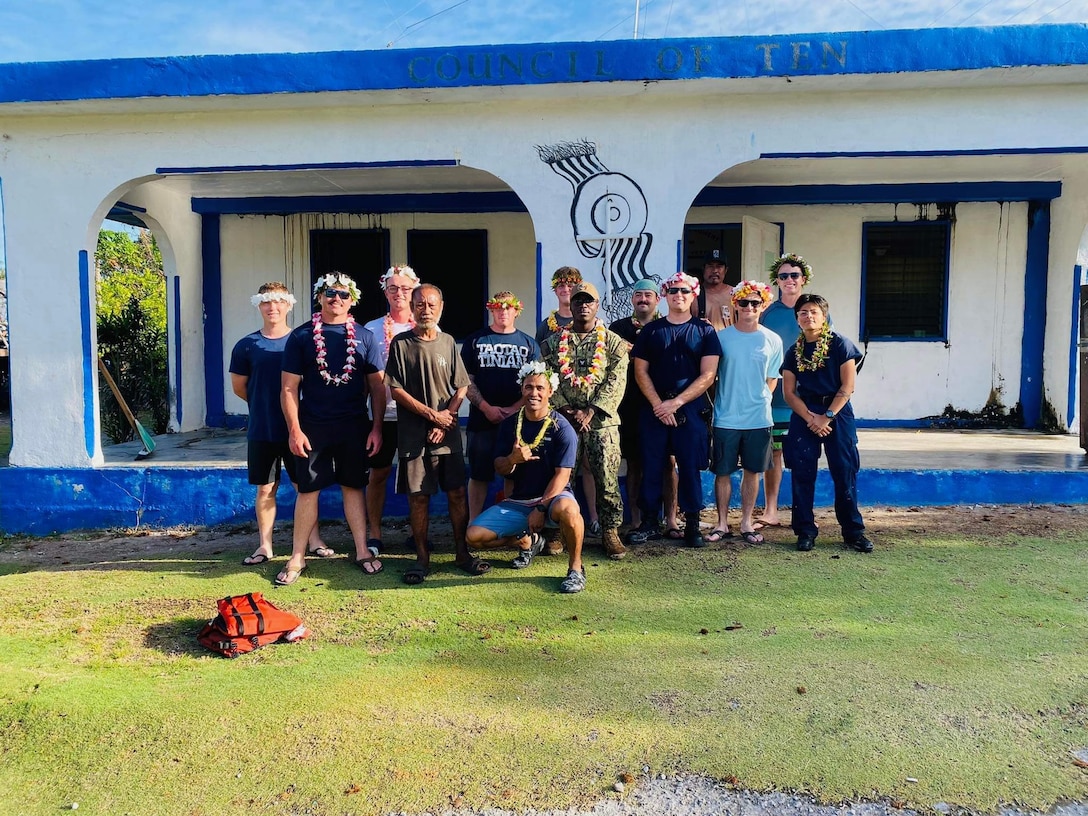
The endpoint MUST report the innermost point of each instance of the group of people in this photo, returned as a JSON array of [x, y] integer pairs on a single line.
[[671, 390]]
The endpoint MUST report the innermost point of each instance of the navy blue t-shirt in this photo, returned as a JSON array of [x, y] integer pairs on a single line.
[[322, 402], [261, 359], [825, 380], [493, 360], [675, 354], [559, 449]]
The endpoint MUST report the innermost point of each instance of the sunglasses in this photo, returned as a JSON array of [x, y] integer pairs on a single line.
[[749, 304], [789, 275], [678, 290], [332, 294]]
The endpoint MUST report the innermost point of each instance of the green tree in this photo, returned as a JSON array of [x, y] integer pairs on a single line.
[[131, 293]]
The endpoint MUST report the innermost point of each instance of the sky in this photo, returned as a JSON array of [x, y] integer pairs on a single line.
[[48, 30]]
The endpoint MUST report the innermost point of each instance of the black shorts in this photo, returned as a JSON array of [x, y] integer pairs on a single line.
[[630, 444], [384, 458], [481, 454], [264, 460], [428, 473], [337, 456], [733, 449]]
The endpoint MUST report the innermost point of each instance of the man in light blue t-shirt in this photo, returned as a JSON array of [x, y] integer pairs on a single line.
[[747, 376]]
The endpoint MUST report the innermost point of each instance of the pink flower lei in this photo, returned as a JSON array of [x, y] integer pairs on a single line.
[[388, 325], [566, 364], [322, 363]]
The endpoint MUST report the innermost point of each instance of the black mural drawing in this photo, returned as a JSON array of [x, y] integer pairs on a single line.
[[608, 214]]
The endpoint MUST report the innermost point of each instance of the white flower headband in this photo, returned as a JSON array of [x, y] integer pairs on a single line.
[[332, 280], [404, 271], [537, 367], [680, 280], [268, 297]]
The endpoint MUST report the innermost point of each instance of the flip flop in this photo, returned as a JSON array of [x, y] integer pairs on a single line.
[[751, 537], [254, 560], [288, 576], [367, 565], [474, 566], [415, 575], [759, 525], [321, 552], [715, 536], [674, 533], [375, 546]]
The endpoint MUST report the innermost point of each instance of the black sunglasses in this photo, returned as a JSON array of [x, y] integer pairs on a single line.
[[678, 290], [332, 294], [789, 275], [749, 304]]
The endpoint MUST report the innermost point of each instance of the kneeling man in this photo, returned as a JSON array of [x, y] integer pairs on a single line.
[[543, 450]]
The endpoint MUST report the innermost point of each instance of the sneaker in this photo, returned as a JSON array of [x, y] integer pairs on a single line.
[[525, 557], [641, 535], [613, 547], [574, 582], [805, 542], [862, 544]]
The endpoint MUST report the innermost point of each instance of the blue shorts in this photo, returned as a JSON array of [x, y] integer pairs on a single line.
[[511, 518]]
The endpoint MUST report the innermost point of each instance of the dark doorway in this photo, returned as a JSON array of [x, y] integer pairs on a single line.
[[701, 239], [362, 254], [456, 262]]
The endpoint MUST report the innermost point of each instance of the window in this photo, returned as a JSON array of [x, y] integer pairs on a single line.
[[456, 262], [361, 254], [905, 280]]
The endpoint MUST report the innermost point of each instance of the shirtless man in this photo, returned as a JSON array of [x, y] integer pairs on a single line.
[[715, 301]]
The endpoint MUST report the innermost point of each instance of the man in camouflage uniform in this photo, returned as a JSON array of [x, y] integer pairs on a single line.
[[592, 365]]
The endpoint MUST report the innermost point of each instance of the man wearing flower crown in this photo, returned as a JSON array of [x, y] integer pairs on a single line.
[[428, 380], [564, 280], [329, 370], [676, 360], [790, 273], [818, 374], [747, 376], [255, 365], [592, 366], [397, 284], [493, 356], [536, 450]]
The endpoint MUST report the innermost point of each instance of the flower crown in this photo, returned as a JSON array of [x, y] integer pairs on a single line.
[[792, 259], [268, 297], [567, 277], [334, 278], [537, 367], [680, 279], [509, 300], [749, 289], [404, 271]]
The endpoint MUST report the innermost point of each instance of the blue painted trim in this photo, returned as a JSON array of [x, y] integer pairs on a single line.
[[1036, 269], [212, 299], [488, 202], [783, 55], [1074, 360], [178, 378], [279, 168], [235, 422], [908, 154], [962, 191], [90, 359], [539, 286], [680, 253]]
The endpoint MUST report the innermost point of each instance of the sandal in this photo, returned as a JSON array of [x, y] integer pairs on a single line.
[[474, 566], [715, 536], [414, 575], [288, 576], [254, 560], [367, 565], [674, 533], [751, 537], [321, 552]]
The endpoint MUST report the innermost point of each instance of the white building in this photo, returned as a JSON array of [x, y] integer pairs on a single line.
[[937, 180]]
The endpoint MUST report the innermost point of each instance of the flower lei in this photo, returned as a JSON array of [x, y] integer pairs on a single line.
[[539, 437], [388, 325], [819, 354], [322, 363], [553, 323], [638, 325], [566, 367]]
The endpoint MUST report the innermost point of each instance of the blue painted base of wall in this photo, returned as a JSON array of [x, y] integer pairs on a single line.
[[37, 501]]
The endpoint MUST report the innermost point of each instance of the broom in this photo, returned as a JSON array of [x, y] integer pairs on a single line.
[[145, 437]]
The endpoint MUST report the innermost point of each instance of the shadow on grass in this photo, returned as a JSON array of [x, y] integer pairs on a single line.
[[176, 637]]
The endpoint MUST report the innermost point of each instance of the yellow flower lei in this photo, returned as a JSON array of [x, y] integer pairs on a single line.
[[566, 367], [819, 354], [553, 324], [638, 326], [539, 437]]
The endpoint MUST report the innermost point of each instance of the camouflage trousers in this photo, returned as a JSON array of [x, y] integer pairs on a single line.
[[600, 449]]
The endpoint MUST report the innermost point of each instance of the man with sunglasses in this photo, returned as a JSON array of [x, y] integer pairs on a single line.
[[397, 284], [675, 360], [747, 376], [330, 367], [790, 273]]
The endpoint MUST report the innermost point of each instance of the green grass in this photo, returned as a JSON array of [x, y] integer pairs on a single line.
[[959, 663]]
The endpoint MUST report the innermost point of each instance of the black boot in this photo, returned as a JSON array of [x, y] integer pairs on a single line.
[[693, 537]]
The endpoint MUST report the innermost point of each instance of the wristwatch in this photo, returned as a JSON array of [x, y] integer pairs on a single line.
[[543, 508], [830, 414]]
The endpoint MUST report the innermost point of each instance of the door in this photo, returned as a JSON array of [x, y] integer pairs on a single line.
[[760, 246]]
